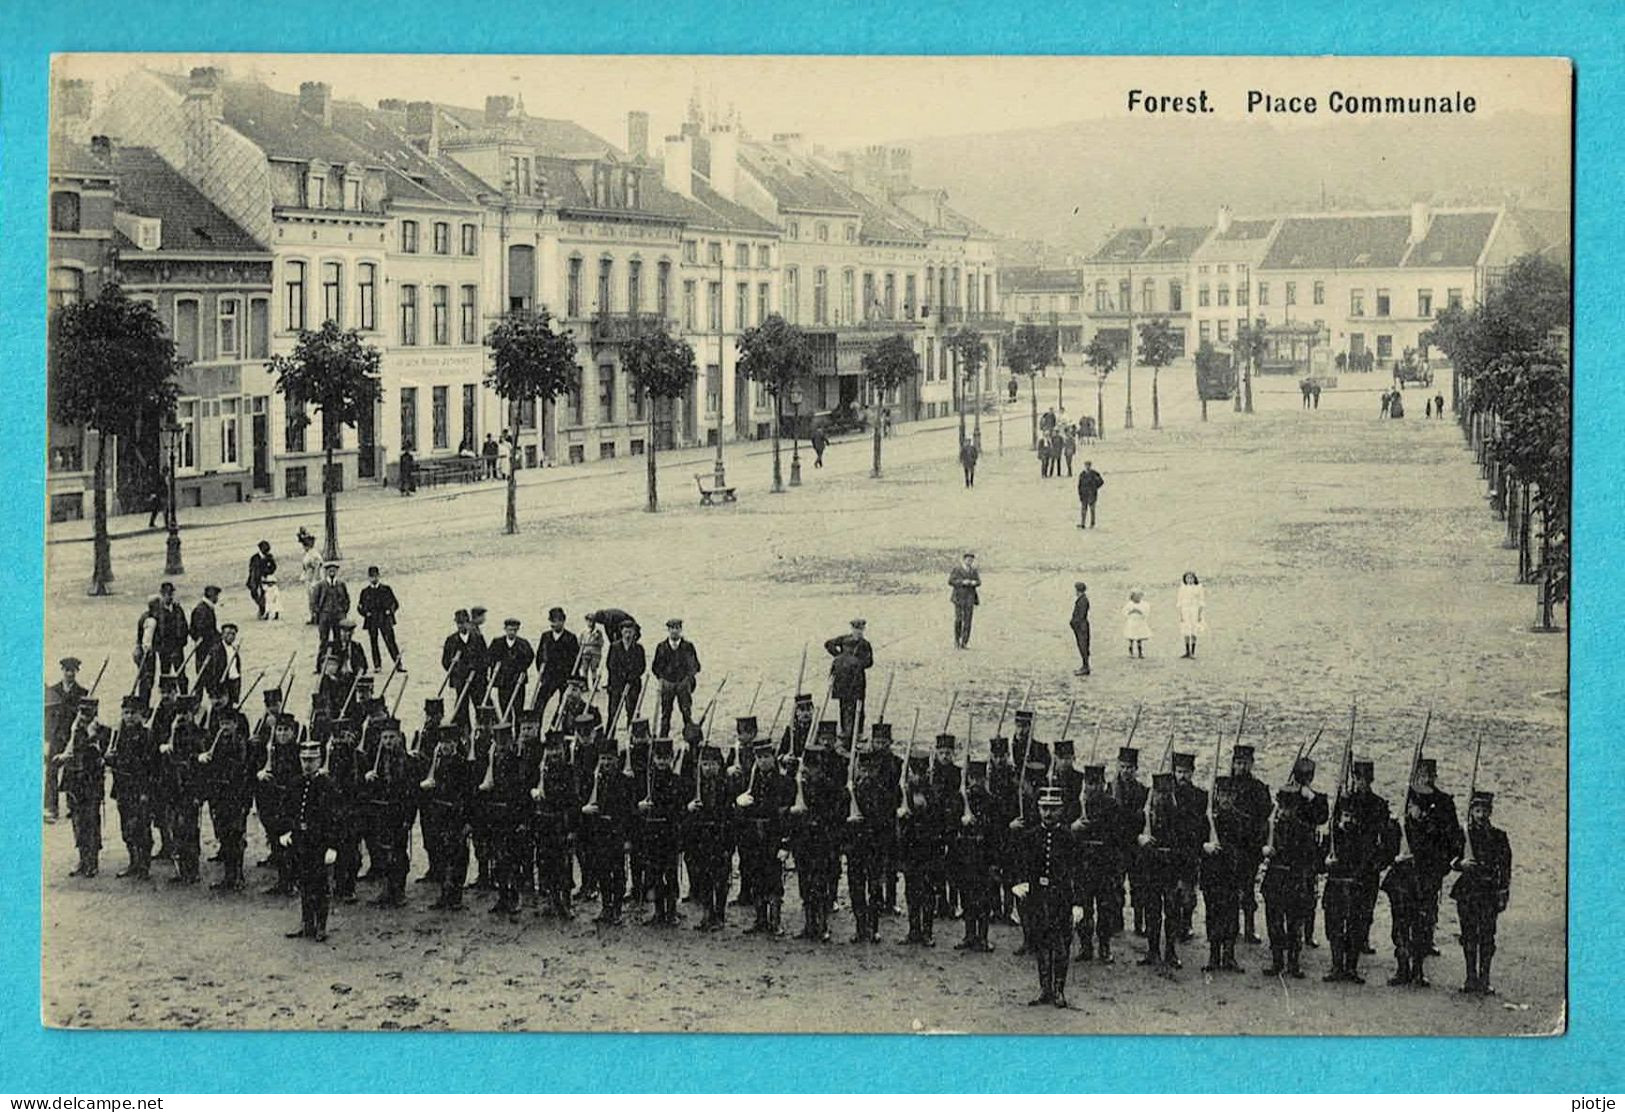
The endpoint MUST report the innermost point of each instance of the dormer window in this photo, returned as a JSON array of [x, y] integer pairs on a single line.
[[632, 189], [519, 175], [851, 233], [316, 186]]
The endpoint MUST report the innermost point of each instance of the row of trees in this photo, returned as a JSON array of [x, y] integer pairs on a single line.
[[113, 367], [1512, 394]]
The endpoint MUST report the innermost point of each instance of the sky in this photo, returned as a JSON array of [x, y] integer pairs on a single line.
[[845, 101]]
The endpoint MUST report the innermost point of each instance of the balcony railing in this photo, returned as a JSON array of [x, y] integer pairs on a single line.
[[617, 328]]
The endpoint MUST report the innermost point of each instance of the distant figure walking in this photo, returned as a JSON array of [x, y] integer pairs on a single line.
[[408, 471], [1315, 392], [1069, 447], [1438, 406], [1089, 483], [965, 581], [1396, 408], [820, 441], [1136, 622], [260, 566], [1191, 602], [1080, 626], [967, 460], [1387, 402], [1427, 409], [489, 453]]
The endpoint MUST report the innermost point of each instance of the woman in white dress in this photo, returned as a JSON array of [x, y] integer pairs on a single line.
[[1192, 605], [1136, 622]]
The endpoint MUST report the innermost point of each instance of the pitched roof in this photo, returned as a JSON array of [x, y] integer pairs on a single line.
[[189, 221], [273, 122], [956, 221], [723, 213], [548, 136], [1338, 242], [415, 176], [1246, 229], [885, 223], [76, 159], [795, 181], [1543, 231], [1033, 279], [1139, 244], [1123, 245], [1178, 245], [1454, 239]]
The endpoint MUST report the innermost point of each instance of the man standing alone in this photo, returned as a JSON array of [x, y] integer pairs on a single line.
[[964, 580], [378, 607], [1080, 626], [1089, 484], [967, 460], [848, 681], [675, 666]]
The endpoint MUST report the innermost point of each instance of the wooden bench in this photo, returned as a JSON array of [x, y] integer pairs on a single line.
[[710, 493], [434, 472]]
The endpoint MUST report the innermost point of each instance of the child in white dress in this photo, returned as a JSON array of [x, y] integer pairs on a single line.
[[1136, 622], [1191, 602]]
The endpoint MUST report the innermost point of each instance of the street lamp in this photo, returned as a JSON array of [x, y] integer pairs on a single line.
[[1060, 377], [172, 431], [720, 478], [795, 436]]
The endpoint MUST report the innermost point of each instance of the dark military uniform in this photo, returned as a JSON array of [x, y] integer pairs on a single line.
[[1359, 847], [386, 793], [973, 859], [1047, 864], [445, 807], [660, 815], [1481, 893], [276, 784], [606, 820], [1097, 842], [815, 830], [1253, 806], [944, 785], [1435, 836], [1223, 876], [503, 800], [1130, 795], [311, 815], [346, 764], [1168, 858], [706, 844], [922, 848], [868, 841], [83, 781], [183, 791], [61, 708], [555, 817], [1289, 871], [1003, 807], [1193, 818], [133, 758], [759, 825], [228, 779]]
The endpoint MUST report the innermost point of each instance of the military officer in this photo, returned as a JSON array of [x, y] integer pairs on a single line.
[[1482, 890], [309, 841], [1047, 887]]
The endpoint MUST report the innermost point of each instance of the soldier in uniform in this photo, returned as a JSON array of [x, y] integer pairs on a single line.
[[815, 828], [170, 689], [1047, 867], [387, 787], [448, 791], [759, 814], [605, 818], [972, 855], [462, 657], [1436, 839], [504, 798], [352, 817], [182, 788], [479, 752], [1482, 890], [82, 771], [1252, 802], [554, 818], [1317, 812], [1358, 850], [309, 841], [1097, 840], [639, 750], [945, 790], [228, 785], [61, 708], [1289, 866], [705, 838], [1222, 867], [870, 824], [133, 758], [921, 848], [508, 660], [795, 735], [745, 729], [1193, 818], [1036, 772], [1167, 858], [422, 751], [1130, 795], [1001, 786], [659, 813], [276, 785], [880, 737]]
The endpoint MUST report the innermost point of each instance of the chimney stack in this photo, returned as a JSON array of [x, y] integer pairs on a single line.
[[1421, 217], [423, 126], [72, 106], [103, 146], [678, 168], [203, 88], [1223, 222], [316, 101], [791, 141], [725, 161], [637, 134]]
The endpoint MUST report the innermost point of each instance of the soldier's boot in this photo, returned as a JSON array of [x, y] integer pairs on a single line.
[[928, 928], [1153, 946], [1418, 977], [775, 916], [1106, 950], [1275, 967], [1469, 955], [1086, 950], [1252, 927], [1170, 957], [760, 924], [1214, 963], [1227, 957], [1485, 952], [1351, 965], [1139, 921], [1293, 968], [1402, 969], [1336, 972]]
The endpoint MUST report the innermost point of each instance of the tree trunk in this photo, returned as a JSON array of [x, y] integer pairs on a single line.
[[874, 472], [1128, 396], [1032, 382], [102, 574], [778, 467], [511, 526], [1204, 411], [959, 402], [1156, 407], [1241, 376], [649, 451], [1247, 385], [1100, 409], [330, 506]]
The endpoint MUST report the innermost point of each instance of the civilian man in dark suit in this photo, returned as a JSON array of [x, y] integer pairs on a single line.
[[332, 602], [965, 579], [1080, 626], [221, 673], [172, 632], [507, 661], [1089, 484], [675, 666], [204, 626], [627, 663], [61, 708], [854, 656], [462, 655], [557, 651], [378, 607], [260, 566]]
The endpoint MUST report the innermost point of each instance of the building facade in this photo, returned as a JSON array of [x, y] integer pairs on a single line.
[[1141, 273]]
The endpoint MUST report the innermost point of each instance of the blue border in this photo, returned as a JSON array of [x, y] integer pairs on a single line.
[[1587, 1059]]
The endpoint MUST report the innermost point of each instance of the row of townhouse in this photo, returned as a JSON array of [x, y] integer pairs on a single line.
[[1325, 284], [420, 223]]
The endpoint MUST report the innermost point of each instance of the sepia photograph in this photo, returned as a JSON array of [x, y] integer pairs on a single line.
[[990, 545]]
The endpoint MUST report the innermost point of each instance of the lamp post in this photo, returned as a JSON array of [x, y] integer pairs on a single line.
[[1060, 379], [795, 436], [720, 477], [172, 431]]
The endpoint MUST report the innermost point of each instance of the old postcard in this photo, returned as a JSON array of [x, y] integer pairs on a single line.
[[816, 544]]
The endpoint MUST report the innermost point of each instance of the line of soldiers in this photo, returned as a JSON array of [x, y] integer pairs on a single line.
[[560, 810]]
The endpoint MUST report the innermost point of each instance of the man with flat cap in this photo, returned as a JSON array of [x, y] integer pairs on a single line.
[[627, 663], [676, 665], [83, 778], [332, 603], [507, 663], [172, 632], [462, 658], [852, 657], [221, 671], [310, 841], [557, 653], [61, 708], [1482, 890], [132, 756], [1079, 624], [1047, 870]]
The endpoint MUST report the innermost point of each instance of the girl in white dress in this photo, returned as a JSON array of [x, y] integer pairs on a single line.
[[1136, 623], [1192, 605]]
